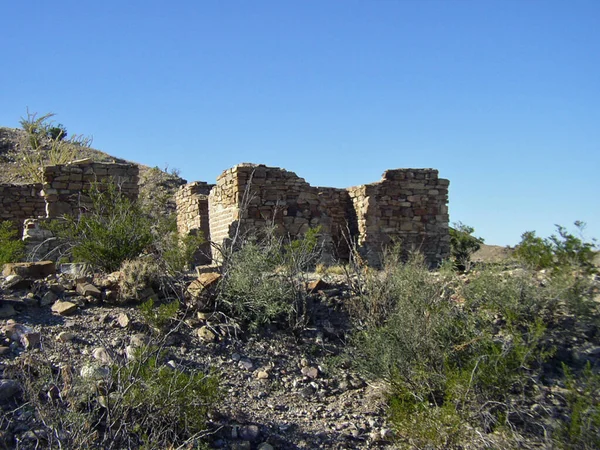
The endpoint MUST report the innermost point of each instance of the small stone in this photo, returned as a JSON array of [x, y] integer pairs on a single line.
[[265, 446], [102, 355], [65, 336], [245, 364], [94, 372], [123, 320], [236, 357], [206, 334], [8, 389], [249, 432], [4, 350], [241, 445], [262, 375], [310, 372], [203, 283], [48, 298], [138, 340], [86, 289], [64, 308]]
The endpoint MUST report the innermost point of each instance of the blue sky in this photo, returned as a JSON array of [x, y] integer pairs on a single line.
[[503, 97]]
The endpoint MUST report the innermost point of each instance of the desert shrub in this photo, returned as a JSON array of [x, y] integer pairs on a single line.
[[558, 252], [159, 316], [264, 279], [455, 358], [581, 425], [462, 245], [113, 230], [11, 247], [174, 251], [142, 404], [46, 144]]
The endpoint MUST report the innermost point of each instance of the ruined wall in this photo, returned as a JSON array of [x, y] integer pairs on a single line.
[[64, 185], [408, 206], [251, 197], [192, 215], [21, 201]]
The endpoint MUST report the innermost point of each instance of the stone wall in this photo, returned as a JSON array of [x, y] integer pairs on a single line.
[[251, 197], [21, 201], [192, 215], [64, 186], [408, 206]]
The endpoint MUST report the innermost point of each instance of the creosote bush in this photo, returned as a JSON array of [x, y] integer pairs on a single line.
[[264, 279], [114, 230], [463, 361], [11, 247], [558, 252], [462, 245], [141, 404]]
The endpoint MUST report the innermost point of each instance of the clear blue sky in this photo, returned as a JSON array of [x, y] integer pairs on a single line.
[[503, 97]]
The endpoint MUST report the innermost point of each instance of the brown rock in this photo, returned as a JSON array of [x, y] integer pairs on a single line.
[[310, 372], [88, 289], [123, 320], [203, 283], [206, 334], [64, 308], [317, 285], [38, 269]]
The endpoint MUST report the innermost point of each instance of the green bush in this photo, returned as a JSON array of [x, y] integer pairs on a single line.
[[263, 279], [11, 247], [142, 404], [115, 229], [455, 358], [558, 252], [159, 316], [462, 245], [581, 427]]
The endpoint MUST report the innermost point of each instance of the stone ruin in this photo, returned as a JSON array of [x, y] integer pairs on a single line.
[[408, 206], [63, 191]]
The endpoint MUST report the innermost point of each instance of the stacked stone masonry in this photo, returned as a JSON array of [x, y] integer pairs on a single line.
[[408, 206], [192, 215], [20, 202], [64, 191], [65, 186]]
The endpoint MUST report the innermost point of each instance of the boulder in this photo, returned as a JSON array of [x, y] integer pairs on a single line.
[[88, 289], [64, 308], [203, 283], [36, 270]]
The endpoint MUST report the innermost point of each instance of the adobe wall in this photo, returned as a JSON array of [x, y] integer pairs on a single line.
[[192, 215], [63, 185], [408, 206], [21, 201]]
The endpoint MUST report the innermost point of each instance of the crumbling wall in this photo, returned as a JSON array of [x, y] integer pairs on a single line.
[[408, 206], [252, 197], [21, 201], [192, 215], [64, 186]]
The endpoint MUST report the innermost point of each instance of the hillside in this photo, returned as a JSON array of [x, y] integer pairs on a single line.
[[155, 185]]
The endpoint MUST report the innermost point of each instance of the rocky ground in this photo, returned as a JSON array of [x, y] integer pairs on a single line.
[[281, 389]]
